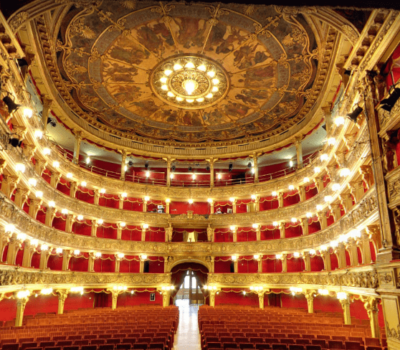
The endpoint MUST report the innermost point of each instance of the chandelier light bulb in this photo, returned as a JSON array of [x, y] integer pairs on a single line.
[[168, 72], [164, 79], [210, 95], [164, 87], [211, 74], [170, 94], [179, 99], [214, 89], [177, 66], [189, 65], [202, 68], [189, 100], [215, 81], [201, 99]]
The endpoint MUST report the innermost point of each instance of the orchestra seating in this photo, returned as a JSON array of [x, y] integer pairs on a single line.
[[232, 327], [126, 328]]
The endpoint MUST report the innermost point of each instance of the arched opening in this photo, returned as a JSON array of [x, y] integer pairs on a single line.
[[188, 280]]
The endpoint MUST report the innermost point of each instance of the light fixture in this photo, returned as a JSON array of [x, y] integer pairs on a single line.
[[83, 183], [87, 160], [147, 173], [232, 199], [146, 198], [331, 141], [211, 74], [77, 252], [168, 200], [275, 223], [210, 95], [168, 72], [122, 224], [334, 244], [102, 190], [171, 176], [124, 195], [291, 163], [215, 81], [22, 294], [132, 291], [256, 256], [296, 289], [293, 220], [296, 254], [200, 99], [120, 255], [219, 176], [56, 164], [164, 87], [164, 79], [100, 221], [21, 237], [190, 65], [76, 290], [319, 207], [209, 200], [44, 247], [255, 225], [27, 112], [190, 201], [80, 217], [64, 211], [38, 134], [170, 94], [143, 257], [202, 68], [146, 226], [309, 215], [274, 193], [291, 187], [306, 179], [39, 194], [323, 291], [342, 238], [344, 172], [312, 252], [253, 197], [339, 121], [20, 167], [323, 248], [341, 295], [328, 199], [69, 175], [234, 257], [317, 169], [177, 66], [97, 254], [125, 168], [46, 291], [355, 234], [46, 151], [32, 182], [193, 176], [278, 256], [232, 227], [59, 250], [335, 187], [34, 242], [323, 157], [244, 292]]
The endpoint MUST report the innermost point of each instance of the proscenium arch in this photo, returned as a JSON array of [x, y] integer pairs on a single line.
[[188, 261]]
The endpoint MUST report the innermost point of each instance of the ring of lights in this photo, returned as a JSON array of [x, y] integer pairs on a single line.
[[189, 82]]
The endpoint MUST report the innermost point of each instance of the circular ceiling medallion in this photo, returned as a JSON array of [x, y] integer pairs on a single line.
[[189, 82]]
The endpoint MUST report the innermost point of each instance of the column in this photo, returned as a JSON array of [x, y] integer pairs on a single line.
[[50, 213], [44, 257], [357, 190], [144, 205], [69, 222], [13, 246], [77, 146], [169, 163], [335, 210], [190, 287], [284, 262], [235, 265], [55, 178], [352, 247], [21, 303], [319, 183], [211, 206], [326, 257], [141, 267], [21, 196], [166, 297], [121, 201], [47, 103], [34, 207], [92, 258], [234, 206], [307, 261], [118, 259], [3, 165], [385, 254], [371, 305], [365, 248], [322, 219], [40, 165], [3, 243], [167, 205], [72, 189], [299, 152], [114, 296], [257, 203], [96, 196], [304, 226], [123, 164], [66, 256], [280, 199], [302, 193], [62, 296], [94, 227], [29, 249], [261, 299], [212, 180], [211, 264], [340, 252], [310, 300], [119, 230], [255, 166], [282, 230], [168, 233], [143, 234], [347, 202], [210, 233], [212, 297], [258, 233], [9, 184], [346, 310], [259, 260], [234, 233]]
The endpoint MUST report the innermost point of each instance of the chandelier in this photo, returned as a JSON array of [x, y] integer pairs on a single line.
[[189, 82]]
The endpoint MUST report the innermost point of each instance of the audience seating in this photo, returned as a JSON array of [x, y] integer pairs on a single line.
[[239, 327], [126, 328]]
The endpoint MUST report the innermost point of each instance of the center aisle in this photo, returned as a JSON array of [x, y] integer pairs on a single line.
[[187, 337]]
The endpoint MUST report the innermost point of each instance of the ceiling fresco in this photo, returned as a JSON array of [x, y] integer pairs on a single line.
[[113, 58]]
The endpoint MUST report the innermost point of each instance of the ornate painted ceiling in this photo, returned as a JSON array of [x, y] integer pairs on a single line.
[[113, 59]]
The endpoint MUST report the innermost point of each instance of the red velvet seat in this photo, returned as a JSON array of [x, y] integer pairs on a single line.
[[10, 346], [335, 344], [353, 345], [23, 346], [279, 347], [296, 347], [263, 346], [372, 342]]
